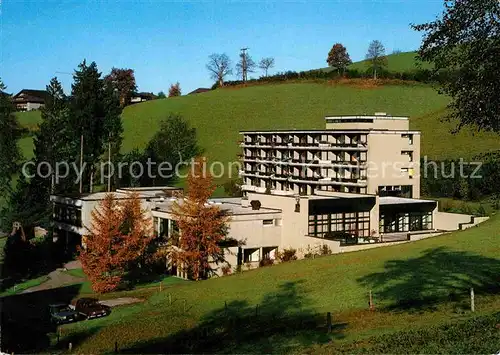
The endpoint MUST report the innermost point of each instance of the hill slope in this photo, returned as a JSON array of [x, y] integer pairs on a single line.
[[399, 62], [430, 269], [220, 114]]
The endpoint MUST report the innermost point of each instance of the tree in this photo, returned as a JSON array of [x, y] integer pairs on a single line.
[[95, 113], [115, 247], [137, 230], [245, 65], [265, 64], [161, 95], [338, 58], [175, 90], [123, 83], [101, 247], [30, 203], [10, 132], [174, 143], [376, 56], [219, 66], [463, 46], [202, 227]]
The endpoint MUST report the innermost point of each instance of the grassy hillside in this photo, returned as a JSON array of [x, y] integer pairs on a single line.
[[424, 272], [219, 115], [399, 62]]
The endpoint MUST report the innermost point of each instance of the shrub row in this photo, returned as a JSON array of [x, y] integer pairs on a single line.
[[420, 75], [448, 178]]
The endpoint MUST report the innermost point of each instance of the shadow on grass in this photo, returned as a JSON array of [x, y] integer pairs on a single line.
[[26, 321], [438, 275], [282, 321]]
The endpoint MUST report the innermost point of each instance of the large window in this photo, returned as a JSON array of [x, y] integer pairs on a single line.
[[354, 223], [405, 222], [67, 214]]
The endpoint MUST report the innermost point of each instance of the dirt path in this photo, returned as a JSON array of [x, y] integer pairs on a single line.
[[58, 278]]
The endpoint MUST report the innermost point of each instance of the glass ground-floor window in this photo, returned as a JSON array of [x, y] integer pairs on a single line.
[[353, 223], [405, 222]]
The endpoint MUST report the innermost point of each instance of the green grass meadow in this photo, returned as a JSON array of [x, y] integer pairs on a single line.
[[219, 115]]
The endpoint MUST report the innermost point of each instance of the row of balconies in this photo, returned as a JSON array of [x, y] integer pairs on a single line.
[[304, 177], [304, 162], [307, 146]]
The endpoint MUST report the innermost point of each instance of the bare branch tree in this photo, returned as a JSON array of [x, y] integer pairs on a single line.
[[245, 65], [219, 66], [266, 64], [376, 56]]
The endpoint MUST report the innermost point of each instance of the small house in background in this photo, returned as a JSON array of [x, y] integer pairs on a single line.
[[29, 100], [142, 97], [199, 91]]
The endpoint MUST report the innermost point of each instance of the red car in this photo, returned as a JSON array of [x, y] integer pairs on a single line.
[[90, 308]]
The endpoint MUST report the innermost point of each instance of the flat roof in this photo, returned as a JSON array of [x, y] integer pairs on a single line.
[[392, 200], [375, 117], [327, 131], [232, 205]]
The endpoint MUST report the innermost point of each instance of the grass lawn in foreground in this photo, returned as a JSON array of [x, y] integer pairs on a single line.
[[416, 284]]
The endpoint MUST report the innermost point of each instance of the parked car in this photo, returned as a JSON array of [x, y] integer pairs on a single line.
[[90, 308], [61, 313]]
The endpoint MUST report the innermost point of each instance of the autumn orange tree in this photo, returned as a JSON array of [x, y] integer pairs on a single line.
[[117, 239], [202, 226]]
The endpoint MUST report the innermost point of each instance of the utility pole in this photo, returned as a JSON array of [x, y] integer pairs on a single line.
[[109, 163], [81, 163], [244, 63]]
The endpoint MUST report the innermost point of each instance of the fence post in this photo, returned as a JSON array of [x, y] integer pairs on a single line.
[[329, 322], [370, 302], [116, 347], [472, 305]]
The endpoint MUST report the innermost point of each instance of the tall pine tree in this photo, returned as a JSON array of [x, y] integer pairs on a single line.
[[30, 203], [95, 116], [10, 132]]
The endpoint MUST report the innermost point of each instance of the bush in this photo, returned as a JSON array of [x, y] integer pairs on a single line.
[[226, 270], [287, 255], [266, 262]]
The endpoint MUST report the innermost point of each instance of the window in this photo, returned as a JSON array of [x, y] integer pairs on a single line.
[[408, 153], [353, 223], [251, 255], [405, 222], [268, 222]]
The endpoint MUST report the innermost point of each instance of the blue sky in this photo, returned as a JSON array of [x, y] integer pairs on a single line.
[[165, 42]]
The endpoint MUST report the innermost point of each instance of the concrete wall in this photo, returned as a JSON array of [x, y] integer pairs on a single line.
[[449, 221], [253, 232], [386, 163], [294, 224]]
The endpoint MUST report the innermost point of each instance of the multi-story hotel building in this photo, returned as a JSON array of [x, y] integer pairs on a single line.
[[376, 155], [356, 182]]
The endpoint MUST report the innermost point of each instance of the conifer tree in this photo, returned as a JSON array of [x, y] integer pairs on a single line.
[[202, 227], [95, 116], [117, 244], [10, 132], [101, 247]]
